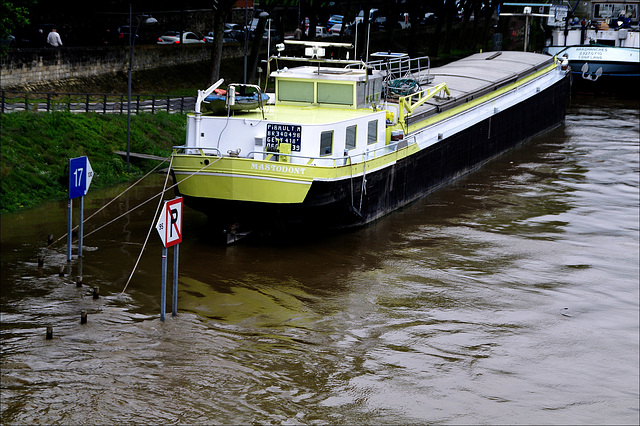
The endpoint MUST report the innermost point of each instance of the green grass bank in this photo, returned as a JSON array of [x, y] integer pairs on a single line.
[[35, 149]]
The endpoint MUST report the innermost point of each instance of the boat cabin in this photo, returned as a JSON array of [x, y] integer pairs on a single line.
[[326, 114], [327, 87]]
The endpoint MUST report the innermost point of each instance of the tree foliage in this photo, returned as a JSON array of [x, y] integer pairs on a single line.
[[13, 16]]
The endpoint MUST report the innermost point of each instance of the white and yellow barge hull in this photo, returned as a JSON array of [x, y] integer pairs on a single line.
[[235, 171]]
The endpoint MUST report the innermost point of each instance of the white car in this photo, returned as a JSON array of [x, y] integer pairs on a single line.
[[335, 29], [173, 37], [322, 32]]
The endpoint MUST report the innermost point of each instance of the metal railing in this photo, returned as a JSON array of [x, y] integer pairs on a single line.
[[335, 161], [12, 101]]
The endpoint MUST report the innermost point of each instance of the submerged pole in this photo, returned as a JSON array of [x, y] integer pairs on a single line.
[[163, 286], [80, 229], [174, 304], [69, 222]]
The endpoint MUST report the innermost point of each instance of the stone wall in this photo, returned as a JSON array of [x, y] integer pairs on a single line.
[[22, 67]]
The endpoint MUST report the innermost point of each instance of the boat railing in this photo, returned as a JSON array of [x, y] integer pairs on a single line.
[[285, 158], [195, 150], [413, 68]]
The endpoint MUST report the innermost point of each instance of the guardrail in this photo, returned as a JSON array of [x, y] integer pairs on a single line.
[[278, 157], [11, 101]]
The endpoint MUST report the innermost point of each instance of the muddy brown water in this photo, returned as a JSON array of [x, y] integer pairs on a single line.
[[510, 296]]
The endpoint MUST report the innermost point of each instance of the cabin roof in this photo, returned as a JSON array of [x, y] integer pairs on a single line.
[[324, 73], [304, 115]]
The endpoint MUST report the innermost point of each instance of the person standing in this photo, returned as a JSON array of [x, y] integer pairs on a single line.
[[54, 39], [42, 39]]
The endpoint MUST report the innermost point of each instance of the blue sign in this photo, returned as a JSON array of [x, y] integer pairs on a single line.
[[80, 175]]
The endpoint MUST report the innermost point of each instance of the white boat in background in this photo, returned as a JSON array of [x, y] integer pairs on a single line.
[[603, 48], [335, 148]]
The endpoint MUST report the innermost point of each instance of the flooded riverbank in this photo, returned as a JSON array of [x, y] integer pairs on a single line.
[[508, 297]]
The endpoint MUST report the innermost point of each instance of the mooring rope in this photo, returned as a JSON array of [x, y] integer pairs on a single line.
[[106, 205], [165, 189]]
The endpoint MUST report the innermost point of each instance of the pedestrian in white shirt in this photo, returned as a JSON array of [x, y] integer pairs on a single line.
[[53, 39]]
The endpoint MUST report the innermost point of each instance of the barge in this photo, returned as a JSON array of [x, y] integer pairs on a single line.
[[341, 143]]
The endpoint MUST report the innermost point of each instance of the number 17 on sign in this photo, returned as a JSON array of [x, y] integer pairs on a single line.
[[80, 175]]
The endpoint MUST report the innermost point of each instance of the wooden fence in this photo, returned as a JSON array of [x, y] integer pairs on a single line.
[[11, 101]]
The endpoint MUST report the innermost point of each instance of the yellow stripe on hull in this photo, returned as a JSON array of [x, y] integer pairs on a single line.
[[241, 179]]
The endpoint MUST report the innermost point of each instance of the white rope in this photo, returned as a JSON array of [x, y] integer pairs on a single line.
[[103, 207], [165, 189]]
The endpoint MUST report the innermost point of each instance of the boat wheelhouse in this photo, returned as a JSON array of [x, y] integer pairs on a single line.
[[341, 143]]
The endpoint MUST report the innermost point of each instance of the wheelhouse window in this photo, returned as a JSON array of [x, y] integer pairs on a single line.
[[295, 91], [330, 93], [326, 143], [372, 132], [350, 139]]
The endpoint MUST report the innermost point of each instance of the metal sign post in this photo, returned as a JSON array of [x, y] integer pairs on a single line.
[[169, 227], [80, 175]]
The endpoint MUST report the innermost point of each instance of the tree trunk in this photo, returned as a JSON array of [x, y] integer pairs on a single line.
[[216, 49], [255, 51]]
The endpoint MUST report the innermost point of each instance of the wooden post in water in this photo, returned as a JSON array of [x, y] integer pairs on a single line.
[[49, 332], [79, 280]]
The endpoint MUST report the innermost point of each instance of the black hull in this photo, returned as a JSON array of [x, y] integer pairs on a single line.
[[342, 204], [623, 86]]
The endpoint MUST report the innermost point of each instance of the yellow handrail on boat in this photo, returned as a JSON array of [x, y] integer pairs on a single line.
[[407, 105]]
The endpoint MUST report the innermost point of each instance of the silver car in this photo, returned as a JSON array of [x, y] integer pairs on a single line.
[[173, 37]]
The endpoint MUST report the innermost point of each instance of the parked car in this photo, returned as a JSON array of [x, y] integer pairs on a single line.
[[8, 41], [336, 28], [381, 23], [322, 32], [275, 37], [430, 18], [226, 37], [233, 31], [251, 28], [173, 37], [334, 19], [123, 34]]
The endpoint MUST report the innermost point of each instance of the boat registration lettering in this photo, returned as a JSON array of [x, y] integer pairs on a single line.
[[590, 52], [283, 133], [280, 168]]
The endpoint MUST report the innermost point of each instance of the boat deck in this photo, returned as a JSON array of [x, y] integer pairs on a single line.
[[477, 75]]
